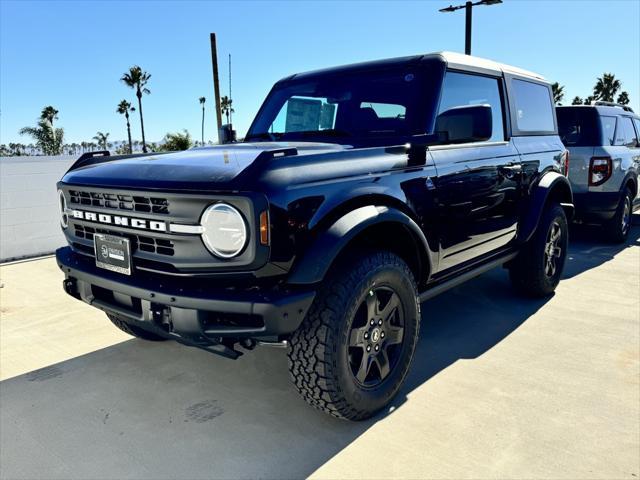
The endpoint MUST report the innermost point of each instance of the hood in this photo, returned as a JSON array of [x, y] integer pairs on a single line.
[[203, 168]]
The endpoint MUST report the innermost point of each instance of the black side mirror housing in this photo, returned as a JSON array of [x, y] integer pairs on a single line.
[[465, 124]]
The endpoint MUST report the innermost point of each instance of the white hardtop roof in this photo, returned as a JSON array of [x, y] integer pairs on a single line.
[[458, 60]]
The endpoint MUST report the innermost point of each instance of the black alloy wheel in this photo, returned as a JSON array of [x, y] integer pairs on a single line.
[[376, 336]]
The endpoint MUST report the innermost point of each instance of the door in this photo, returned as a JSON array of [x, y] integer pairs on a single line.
[[478, 184]]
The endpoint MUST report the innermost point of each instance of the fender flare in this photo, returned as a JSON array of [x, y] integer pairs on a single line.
[[630, 177], [317, 260], [551, 185]]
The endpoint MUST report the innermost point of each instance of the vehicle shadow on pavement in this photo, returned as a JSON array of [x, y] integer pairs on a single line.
[[588, 249], [161, 410]]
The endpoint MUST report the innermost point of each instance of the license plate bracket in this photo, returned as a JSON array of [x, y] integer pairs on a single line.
[[113, 253]]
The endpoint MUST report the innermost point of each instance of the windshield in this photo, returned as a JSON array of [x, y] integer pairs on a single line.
[[349, 108]]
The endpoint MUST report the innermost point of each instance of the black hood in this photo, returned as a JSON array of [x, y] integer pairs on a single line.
[[197, 169]]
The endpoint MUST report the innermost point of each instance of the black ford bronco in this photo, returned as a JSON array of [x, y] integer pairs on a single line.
[[358, 192]]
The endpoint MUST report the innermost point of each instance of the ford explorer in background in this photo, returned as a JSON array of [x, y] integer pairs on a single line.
[[358, 192], [604, 144]]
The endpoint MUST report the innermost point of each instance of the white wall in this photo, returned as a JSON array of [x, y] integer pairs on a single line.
[[29, 212]]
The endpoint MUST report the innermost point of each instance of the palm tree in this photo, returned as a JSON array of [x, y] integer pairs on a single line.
[[102, 139], [558, 92], [48, 139], [202, 100], [623, 98], [49, 113], [124, 108], [136, 78], [577, 101], [606, 87], [225, 107]]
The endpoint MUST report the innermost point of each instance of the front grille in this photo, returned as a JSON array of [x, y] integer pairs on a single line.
[[141, 242], [134, 203]]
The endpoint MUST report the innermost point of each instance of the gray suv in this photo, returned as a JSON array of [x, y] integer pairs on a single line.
[[603, 140]]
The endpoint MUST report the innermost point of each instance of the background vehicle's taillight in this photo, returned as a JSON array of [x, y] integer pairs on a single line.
[[565, 164], [600, 169]]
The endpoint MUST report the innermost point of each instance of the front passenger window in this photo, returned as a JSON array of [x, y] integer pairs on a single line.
[[462, 89]]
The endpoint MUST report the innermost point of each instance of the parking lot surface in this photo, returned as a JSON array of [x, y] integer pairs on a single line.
[[501, 387]]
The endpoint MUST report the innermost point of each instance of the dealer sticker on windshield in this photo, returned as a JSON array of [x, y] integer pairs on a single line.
[[113, 253]]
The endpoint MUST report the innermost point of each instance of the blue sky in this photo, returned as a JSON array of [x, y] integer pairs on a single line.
[[72, 54]]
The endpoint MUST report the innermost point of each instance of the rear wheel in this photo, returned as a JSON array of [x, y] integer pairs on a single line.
[[352, 352], [617, 229], [133, 330], [537, 269]]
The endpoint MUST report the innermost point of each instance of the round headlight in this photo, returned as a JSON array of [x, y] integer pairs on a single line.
[[225, 231], [64, 219]]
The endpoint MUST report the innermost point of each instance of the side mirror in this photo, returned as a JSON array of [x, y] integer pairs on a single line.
[[468, 123]]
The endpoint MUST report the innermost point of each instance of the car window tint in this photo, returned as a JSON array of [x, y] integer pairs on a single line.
[[578, 126], [534, 108], [608, 129], [460, 90], [625, 133]]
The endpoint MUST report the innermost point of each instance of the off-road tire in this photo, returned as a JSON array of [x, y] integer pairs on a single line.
[[133, 330], [318, 353], [528, 270], [615, 229]]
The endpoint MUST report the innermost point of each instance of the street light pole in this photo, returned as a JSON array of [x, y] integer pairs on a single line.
[[468, 8]]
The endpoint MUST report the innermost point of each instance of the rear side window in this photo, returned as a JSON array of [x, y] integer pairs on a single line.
[[579, 126], [533, 107], [461, 89], [637, 123], [625, 134], [608, 129]]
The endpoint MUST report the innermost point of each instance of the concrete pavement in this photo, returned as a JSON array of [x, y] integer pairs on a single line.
[[501, 387]]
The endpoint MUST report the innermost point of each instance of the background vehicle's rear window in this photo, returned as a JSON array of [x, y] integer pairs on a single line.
[[579, 127], [534, 109]]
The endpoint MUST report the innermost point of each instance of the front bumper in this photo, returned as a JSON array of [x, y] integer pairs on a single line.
[[596, 206], [196, 312]]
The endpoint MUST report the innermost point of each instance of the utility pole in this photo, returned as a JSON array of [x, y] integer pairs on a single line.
[[468, 8], [216, 84]]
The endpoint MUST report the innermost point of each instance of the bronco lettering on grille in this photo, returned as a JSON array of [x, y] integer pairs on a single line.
[[118, 220]]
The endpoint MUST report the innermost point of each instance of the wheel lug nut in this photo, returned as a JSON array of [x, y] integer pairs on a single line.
[[377, 347], [381, 334], [366, 335], [368, 348], [380, 322], [373, 322]]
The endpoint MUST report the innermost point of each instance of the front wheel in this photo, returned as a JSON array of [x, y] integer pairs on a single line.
[[537, 269], [352, 352]]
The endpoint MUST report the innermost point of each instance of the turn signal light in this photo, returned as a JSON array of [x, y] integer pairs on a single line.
[[600, 170], [565, 166], [264, 228]]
